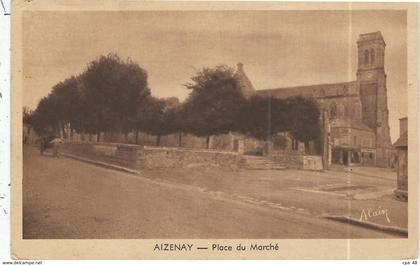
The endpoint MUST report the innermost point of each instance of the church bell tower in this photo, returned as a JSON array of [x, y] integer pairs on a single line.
[[373, 91]]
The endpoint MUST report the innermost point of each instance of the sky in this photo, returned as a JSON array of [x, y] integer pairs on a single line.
[[277, 48]]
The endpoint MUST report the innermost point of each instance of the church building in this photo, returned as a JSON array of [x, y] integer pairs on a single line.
[[357, 111]]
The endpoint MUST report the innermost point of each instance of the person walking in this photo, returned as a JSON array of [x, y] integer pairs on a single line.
[[41, 144]]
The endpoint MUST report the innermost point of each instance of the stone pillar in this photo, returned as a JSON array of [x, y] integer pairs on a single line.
[[349, 153], [241, 146], [232, 141], [341, 157], [211, 142]]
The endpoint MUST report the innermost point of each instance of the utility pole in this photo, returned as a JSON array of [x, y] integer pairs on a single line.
[[325, 138]]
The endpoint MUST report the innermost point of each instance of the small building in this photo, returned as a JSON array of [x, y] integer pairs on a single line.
[[401, 145]]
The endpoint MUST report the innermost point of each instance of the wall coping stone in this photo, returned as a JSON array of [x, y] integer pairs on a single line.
[[183, 149], [163, 148]]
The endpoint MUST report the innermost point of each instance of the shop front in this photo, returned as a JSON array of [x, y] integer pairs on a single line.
[[368, 157], [346, 156]]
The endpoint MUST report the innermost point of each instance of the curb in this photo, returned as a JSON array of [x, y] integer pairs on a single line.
[[102, 164], [387, 229]]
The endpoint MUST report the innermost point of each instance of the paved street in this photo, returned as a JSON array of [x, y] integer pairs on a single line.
[[65, 198]]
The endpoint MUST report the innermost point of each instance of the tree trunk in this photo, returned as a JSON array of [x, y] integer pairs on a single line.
[[180, 139], [126, 137], [98, 137], [208, 141], [158, 140], [137, 136], [64, 132], [308, 150]]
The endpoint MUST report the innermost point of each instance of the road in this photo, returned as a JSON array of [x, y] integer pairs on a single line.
[[69, 199]]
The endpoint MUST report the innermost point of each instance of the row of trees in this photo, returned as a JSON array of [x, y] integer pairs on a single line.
[[112, 95]]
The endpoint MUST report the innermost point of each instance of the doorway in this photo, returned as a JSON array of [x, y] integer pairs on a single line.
[[345, 157]]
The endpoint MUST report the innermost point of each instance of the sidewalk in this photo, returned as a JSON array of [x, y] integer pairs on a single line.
[[357, 197], [373, 172]]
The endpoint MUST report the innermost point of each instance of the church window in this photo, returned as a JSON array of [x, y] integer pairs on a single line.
[[372, 56], [366, 57]]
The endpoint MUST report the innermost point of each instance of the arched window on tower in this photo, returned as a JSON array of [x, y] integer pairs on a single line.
[[372, 56], [366, 57], [333, 111]]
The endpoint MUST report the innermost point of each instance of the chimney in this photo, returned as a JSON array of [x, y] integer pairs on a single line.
[[245, 84], [403, 126], [240, 67]]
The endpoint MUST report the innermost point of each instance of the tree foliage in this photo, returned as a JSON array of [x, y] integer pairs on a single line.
[[265, 116], [304, 122], [112, 95], [215, 102], [113, 91]]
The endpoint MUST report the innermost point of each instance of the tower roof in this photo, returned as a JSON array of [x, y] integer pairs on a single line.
[[370, 37]]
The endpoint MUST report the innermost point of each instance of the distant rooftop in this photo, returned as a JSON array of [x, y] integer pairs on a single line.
[[304, 90]]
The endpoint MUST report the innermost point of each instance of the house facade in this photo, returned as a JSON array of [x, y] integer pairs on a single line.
[[401, 146]]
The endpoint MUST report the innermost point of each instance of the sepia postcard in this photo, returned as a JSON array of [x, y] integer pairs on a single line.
[[214, 130]]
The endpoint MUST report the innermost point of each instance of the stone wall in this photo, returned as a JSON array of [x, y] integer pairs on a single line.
[[118, 154], [306, 162], [186, 158], [141, 157]]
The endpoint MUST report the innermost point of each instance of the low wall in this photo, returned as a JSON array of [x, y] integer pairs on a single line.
[[306, 162], [119, 154], [141, 157]]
